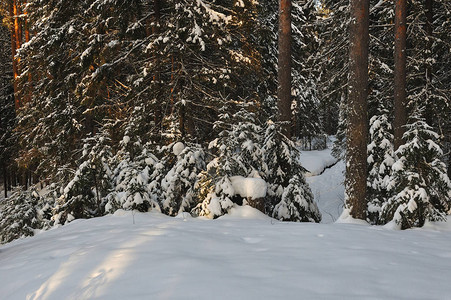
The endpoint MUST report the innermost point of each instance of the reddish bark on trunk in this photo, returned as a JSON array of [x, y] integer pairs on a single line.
[[284, 66], [357, 122]]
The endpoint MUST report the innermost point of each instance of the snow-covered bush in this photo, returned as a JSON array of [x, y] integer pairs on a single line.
[[214, 189], [131, 178], [297, 202], [83, 195], [237, 153], [179, 182], [22, 214], [421, 187], [380, 161], [289, 196]]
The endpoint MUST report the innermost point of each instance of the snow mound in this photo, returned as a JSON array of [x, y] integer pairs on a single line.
[[178, 148], [244, 212], [346, 218], [316, 161], [249, 187], [244, 255]]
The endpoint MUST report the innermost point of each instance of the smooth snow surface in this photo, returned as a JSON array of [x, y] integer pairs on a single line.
[[316, 161], [249, 187], [178, 148], [327, 188], [245, 255]]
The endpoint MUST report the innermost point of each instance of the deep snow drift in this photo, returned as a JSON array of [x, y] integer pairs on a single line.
[[245, 255]]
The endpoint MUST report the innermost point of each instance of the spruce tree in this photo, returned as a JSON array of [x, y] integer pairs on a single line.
[[421, 187], [332, 62], [83, 196], [289, 197], [380, 161], [131, 176], [51, 123], [22, 214], [238, 152], [179, 182], [8, 145]]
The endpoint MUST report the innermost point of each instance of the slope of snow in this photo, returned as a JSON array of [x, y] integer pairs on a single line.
[[328, 190], [245, 255], [325, 177], [316, 161]]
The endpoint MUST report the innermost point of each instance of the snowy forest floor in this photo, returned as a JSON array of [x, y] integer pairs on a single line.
[[244, 255]]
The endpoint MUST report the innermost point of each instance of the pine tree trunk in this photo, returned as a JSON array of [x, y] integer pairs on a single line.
[[5, 180], [357, 126], [429, 114], [284, 66], [158, 116], [27, 39], [18, 44], [18, 23], [400, 72], [13, 52], [8, 174]]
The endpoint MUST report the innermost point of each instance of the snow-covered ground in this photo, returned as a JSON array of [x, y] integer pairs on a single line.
[[328, 190], [244, 255], [325, 177], [317, 161]]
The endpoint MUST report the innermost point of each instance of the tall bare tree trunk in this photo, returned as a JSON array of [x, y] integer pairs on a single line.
[[27, 39], [400, 72], [357, 122], [14, 51], [284, 66]]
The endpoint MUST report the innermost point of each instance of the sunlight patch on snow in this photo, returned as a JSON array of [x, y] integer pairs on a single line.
[[113, 267], [160, 257]]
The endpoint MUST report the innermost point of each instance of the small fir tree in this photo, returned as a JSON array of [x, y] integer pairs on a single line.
[[22, 214], [238, 153], [380, 162], [289, 196], [131, 178], [179, 182], [83, 195], [421, 187]]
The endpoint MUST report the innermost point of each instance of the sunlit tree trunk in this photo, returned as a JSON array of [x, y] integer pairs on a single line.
[[284, 66], [27, 39], [14, 47], [357, 127], [400, 99]]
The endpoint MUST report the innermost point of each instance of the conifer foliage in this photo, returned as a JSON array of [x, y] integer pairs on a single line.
[[83, 195], [421, 187], [380, 162], [290, 197], [22, 214], [179, 182], [171, 106]]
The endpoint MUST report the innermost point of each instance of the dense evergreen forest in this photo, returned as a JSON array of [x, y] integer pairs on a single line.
[[170, 105]]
